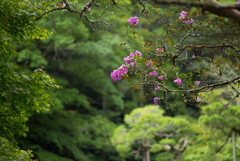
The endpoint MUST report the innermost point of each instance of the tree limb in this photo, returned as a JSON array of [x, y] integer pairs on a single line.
[[228, 11]]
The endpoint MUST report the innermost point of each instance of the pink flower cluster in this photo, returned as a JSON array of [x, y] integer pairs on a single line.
[[183, 16], [133, 20], [117, 74], [130, 59]]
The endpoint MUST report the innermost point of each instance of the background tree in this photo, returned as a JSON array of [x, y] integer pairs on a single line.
[[147, 130]]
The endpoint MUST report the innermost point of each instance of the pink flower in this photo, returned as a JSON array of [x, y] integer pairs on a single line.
[[159, 50], [154, 73], [182, 15], [138, 53], [87, 6], [117, 74], [197, 83], [178, 81], [161, 77], [165, 45], [155, 101], [156, 88], [132, 64], [198, 99], [127, 60], [63, 4], [190, 64], [132, 55], [149, 64], [197, 15], [188, 21], [133, 20]]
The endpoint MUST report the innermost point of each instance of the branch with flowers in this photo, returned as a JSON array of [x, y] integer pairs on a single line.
[[150, 69], [184, 43]]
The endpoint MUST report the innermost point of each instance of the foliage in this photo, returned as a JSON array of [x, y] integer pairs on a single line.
[[72, 135], [9, 152], [147, 127], [22, 93], [217, 124]]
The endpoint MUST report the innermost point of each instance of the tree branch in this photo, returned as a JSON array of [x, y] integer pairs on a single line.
[[197, 89], [218, 150], [228, 11]]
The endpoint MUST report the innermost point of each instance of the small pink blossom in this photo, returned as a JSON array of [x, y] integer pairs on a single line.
[[138, 53], [154, 73], [155, 101], [188, 21], [198, 99], [160, 50], [132, 64], [127, 60], [87, 6], [190, 64], [178, 81], [63, 4], [165, 45], [161, 77], [157, 88], [149, 64], [132, 55], [133, 20], [197, 83]]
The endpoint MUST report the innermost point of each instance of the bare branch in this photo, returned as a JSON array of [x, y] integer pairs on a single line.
[[144, 7]]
